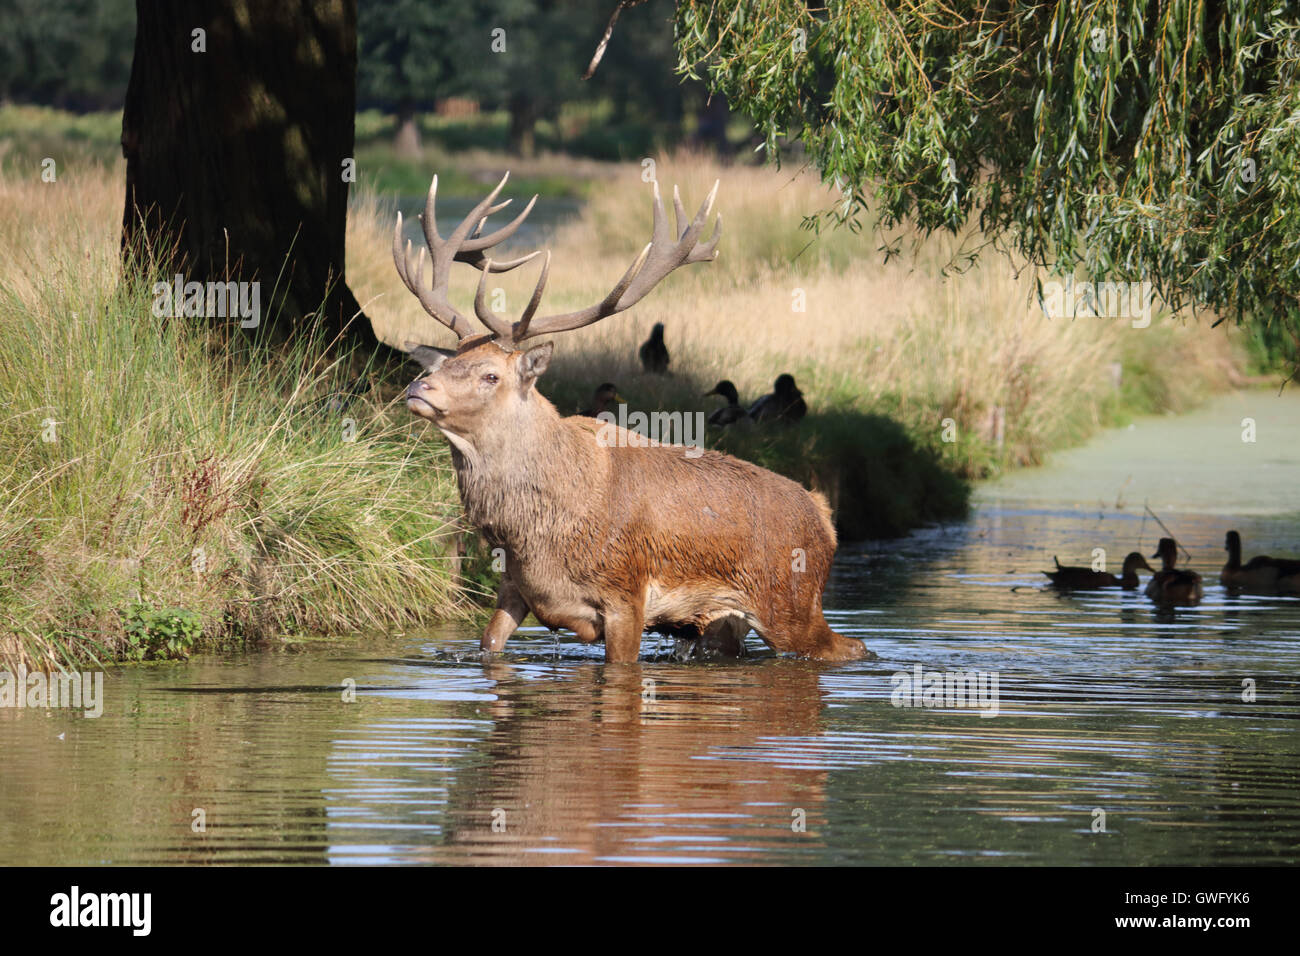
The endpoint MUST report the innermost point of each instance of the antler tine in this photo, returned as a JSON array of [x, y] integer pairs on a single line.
[[708, 251], [437, 306], [661, 256], [475, 243], [480, 212], [680, 212], [461, 245], [705, 252], [499, 326], [521, 327]]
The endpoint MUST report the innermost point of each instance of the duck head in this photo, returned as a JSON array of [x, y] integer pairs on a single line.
[[785, 385], [1134, 561], [727, 391], [1232, 544], [1167, 552], [603, 395]]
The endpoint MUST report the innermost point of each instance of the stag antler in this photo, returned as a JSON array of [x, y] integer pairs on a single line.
[[459, 246], [661, 256]]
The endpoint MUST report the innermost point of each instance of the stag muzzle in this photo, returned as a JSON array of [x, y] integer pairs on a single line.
[[420, 399]]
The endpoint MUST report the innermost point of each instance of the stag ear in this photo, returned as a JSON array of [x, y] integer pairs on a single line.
[[428, 356], [534, 362]]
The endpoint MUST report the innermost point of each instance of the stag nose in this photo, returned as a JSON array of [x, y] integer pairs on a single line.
[[420, 391]]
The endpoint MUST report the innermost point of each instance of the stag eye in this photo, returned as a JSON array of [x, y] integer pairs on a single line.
[[491, 378]]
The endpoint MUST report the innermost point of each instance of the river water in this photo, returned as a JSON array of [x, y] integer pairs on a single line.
[[1122, 735]]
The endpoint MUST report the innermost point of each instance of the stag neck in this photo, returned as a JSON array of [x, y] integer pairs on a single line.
[[541, 464]]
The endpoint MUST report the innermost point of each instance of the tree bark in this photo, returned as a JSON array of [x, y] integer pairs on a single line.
[[235, 154]]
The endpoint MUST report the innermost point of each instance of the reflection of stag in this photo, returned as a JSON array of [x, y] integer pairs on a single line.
[[605, 763], [609, 538]]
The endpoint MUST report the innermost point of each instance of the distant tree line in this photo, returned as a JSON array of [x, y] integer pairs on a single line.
[[525, 57], [522, 56], [73, 54]]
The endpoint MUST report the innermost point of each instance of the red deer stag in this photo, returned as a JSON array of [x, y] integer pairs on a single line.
[[609, 538]]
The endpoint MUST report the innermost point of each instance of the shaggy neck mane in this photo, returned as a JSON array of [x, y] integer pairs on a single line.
[[518, 485]]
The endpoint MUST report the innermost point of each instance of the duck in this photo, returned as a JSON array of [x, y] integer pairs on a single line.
[[1086, 579], [729, 413], [1172, 585], [784, 404], [654, 354], [1260, 573], [605, 393]]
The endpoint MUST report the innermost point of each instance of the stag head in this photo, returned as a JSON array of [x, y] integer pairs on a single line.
[[488, 380]]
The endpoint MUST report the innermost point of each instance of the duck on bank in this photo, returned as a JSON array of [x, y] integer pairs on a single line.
[[729, 413], [653, 352], [784, 404], [601, 398]]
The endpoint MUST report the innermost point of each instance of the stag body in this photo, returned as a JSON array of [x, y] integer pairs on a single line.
[[612, 538]]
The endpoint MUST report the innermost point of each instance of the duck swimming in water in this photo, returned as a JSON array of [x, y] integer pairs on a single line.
[[1086, 579], [1289, 584], [654, 354], [729, 413], [784, 404], [1261, 573], [1173, 585]]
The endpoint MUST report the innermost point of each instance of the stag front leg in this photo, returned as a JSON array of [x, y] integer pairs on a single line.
[[510, 612], [623, 627]]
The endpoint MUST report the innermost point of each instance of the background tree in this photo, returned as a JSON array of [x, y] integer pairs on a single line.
[[526, 56], [411, 53], [1154, 141], [74, 54]]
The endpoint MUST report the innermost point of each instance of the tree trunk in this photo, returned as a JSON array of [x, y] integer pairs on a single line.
[[523, 123], [406, 142], [711, 131], [239, 145]]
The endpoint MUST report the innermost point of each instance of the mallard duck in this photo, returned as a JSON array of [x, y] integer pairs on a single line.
[[1086, 579], [600, 399], [729, 413], [784, 404], [1171, 585], [1260, 573], [654, 354]]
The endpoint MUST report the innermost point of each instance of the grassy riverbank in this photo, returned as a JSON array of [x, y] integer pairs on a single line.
[[149, 494]]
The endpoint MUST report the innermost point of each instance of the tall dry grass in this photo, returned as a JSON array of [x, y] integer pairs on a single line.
[[144, 473]]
